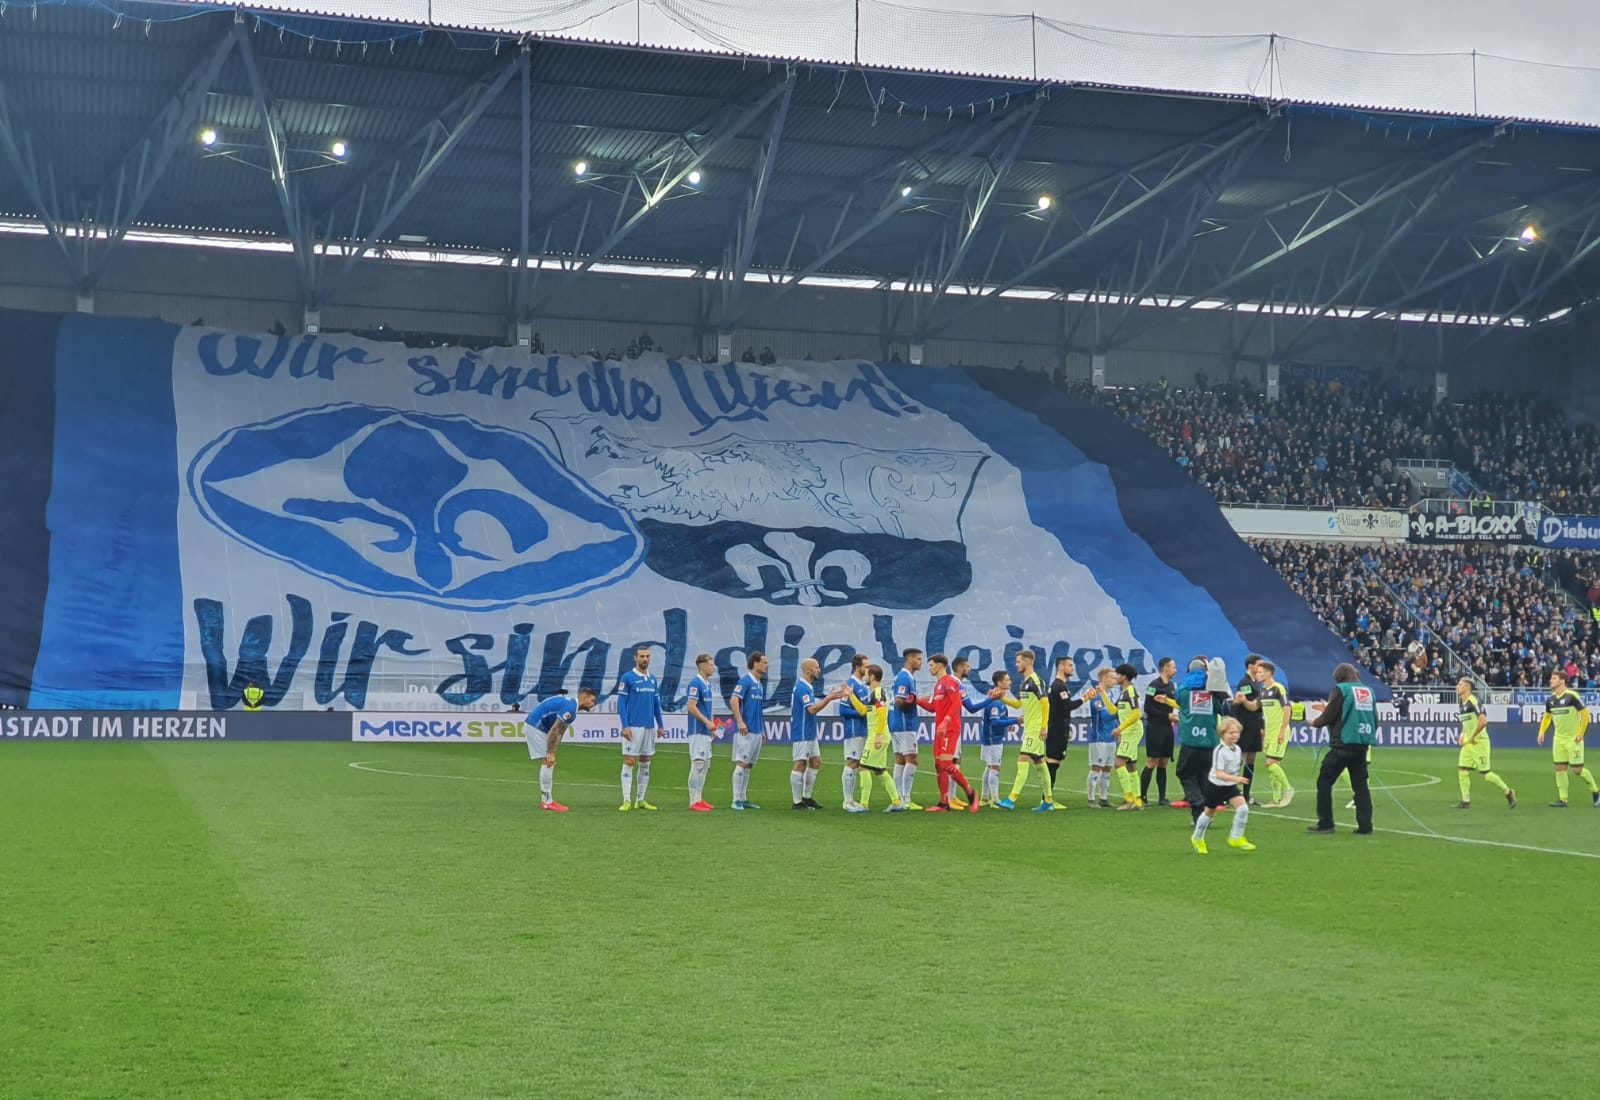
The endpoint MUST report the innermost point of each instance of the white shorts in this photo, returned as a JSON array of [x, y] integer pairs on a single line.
[[1102, 754], [538, 742], [904, 742], [992, 754], [746, 748], [805, 750], [643, 743], [854, 747], [699, 746]]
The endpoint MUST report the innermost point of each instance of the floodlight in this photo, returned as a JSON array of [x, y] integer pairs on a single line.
[[208, 137]]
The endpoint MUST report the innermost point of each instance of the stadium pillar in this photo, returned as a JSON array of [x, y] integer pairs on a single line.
[[524, 334], [85, 301], [724, 347], [1271, 381], [1441, 385], [916, 355], [1097, 370], [312, 321]]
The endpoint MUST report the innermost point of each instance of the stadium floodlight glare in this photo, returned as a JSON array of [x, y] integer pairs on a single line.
[[208, 137], [695, 177], [581, 169], [1045, 202], [1528, 235], [905, 192], [339, 149]]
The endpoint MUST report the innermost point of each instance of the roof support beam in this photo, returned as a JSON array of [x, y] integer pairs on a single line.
[[1285, 241], [384, 195], [673, 173], [973, 211], [742, 247], [38, 180], [899, 196], [1353, 288], [296, 222], [1588, 241], [1127, 195], [1178, 244], [120, 200]]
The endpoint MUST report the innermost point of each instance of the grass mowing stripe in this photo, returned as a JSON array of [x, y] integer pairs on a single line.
[[140, 970]]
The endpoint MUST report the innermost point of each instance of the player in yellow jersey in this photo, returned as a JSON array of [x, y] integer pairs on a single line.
[[1034, 701], [1274, 701], [1474, 741], [1130, 735], [875, 755], [1565, 711]]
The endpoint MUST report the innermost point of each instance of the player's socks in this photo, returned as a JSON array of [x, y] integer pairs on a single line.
[[1561, 786], [1054, 767], [547, 781], [1201, 824], [848, 782], [864, 780], [1144, 782], [741, 783], [1249, 780], [1021, 780], [1049, 785], [1241, 817], [1280, 781], [627, 782], [644, 780], [910, 783], [797, 782], [961, 781], [809, 785], [1161, 782], [1588, 777], [900, 781], [1125, 781], [891, 787], [942, 773], [697, 780], [1495, 781], [1466, 785]]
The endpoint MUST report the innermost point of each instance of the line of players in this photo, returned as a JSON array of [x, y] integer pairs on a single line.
[[880, 722]]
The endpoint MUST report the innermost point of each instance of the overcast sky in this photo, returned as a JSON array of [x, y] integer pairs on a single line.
[[1562, 31]]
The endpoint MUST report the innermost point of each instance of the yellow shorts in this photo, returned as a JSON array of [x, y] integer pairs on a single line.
[[876, 753], [1033, 744], [1567, 751], [1474, 756], [1128, 745], [1276, 746]]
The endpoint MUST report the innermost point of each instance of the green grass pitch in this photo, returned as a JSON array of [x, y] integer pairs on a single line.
[[266, 920]]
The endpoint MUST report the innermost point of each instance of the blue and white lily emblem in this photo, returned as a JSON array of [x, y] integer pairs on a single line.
[[440, 509], [799, 574]]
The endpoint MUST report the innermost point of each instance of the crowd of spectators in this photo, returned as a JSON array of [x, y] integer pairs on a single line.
[[1333, 442], [1398, 607]]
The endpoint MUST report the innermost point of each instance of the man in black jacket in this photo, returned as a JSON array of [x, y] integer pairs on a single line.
[[1351, 718], [1058, 721]]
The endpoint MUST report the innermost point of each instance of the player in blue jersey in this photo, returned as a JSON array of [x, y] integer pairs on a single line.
[[853, 713], [805, 748], [1102, 738], [749, 703], [904, 724], [997, 719], [639, 711], [545, 725], [702, 728]]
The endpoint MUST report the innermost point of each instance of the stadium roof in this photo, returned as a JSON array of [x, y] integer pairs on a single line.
[[924, 180]]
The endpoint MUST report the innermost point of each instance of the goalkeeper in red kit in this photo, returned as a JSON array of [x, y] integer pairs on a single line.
[[947, 706]]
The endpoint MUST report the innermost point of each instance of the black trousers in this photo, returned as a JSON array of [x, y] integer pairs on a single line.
[[1193, 764], [1342, 758]]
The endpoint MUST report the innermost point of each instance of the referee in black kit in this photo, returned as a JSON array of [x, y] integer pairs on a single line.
[[1058, 720], [1252, 723]]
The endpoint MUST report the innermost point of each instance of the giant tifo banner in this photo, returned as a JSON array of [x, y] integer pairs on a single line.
[[341, 522]]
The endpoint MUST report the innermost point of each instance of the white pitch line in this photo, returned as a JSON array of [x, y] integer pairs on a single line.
[[1453, 839]]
